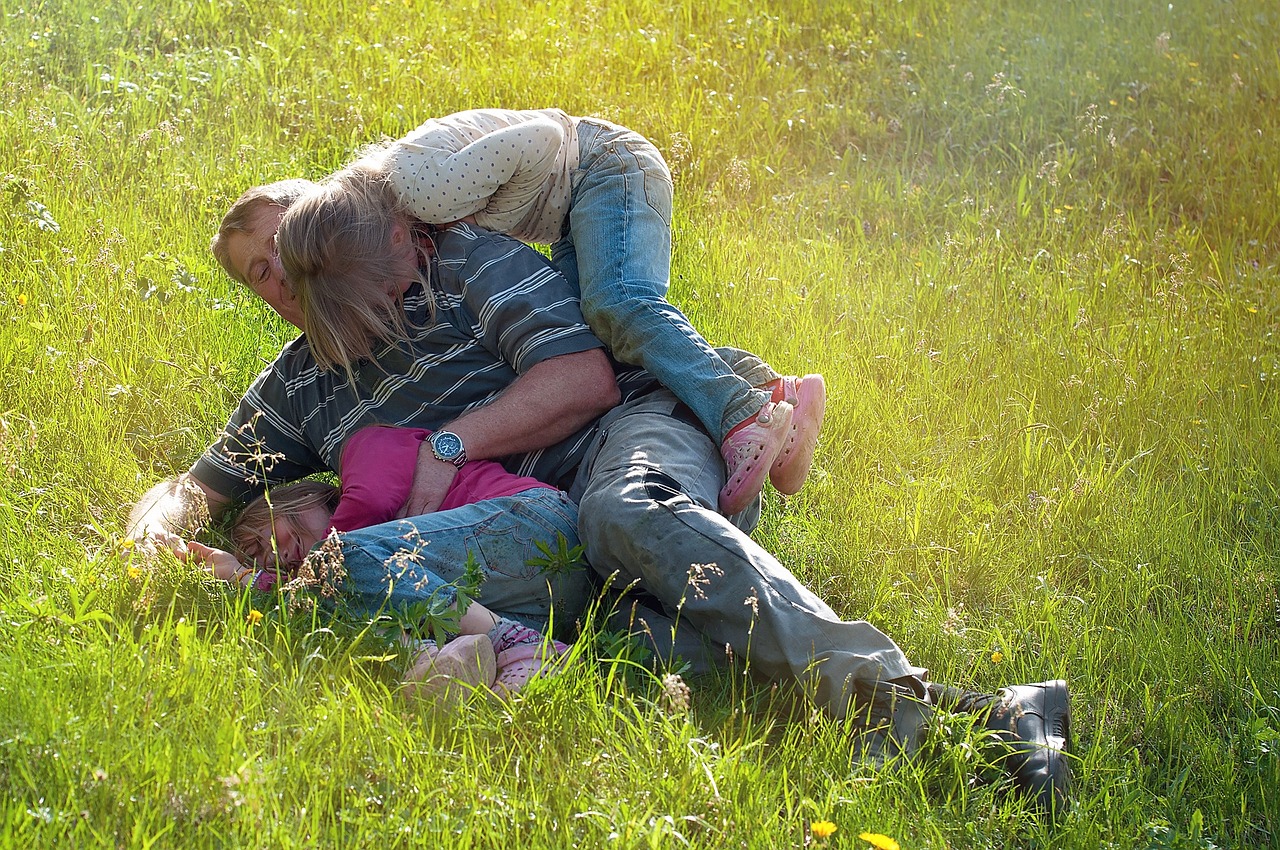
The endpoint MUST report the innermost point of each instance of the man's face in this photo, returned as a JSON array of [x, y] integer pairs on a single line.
[[254, 256]]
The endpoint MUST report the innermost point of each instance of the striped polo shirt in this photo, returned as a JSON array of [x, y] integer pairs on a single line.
[[500, 309]]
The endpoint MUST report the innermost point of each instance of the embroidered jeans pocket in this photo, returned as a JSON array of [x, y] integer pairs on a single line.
[[658, 190]]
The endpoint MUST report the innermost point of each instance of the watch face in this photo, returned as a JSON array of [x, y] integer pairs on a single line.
[[447, 444]]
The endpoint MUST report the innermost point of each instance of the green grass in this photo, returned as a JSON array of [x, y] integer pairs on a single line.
[[1032, 246]]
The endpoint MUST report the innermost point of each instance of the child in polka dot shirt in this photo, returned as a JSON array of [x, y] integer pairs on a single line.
[[601, 196]]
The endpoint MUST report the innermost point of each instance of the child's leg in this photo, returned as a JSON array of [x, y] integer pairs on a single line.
[[406, 561], [618, 253], [399, 563]]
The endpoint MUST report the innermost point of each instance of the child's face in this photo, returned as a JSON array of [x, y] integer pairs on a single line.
[[294, 536]]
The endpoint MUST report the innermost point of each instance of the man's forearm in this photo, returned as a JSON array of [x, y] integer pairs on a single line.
[[545, 405], [177, 506], [550, 402]]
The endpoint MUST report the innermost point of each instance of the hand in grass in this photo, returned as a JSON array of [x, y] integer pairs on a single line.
[[221, 563]]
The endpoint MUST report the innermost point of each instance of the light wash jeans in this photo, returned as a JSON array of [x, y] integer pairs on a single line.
[[646, 510], [616, 250], [405, 561]]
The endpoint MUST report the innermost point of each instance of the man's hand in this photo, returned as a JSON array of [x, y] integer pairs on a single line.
[[432, 478]]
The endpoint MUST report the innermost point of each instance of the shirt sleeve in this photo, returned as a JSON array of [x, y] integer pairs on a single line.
[[377, 474], [261, 444], [503, 171], [522, 310]]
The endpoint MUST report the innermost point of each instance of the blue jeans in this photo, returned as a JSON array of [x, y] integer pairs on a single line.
[[406, 561], [616, 250], [647, 495]]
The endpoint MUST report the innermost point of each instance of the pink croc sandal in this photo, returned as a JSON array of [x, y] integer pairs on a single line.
[[809, 397], [522, 662], [446, 674], [749, 451]]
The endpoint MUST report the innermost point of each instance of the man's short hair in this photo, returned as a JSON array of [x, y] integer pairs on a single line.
[[239, 219]]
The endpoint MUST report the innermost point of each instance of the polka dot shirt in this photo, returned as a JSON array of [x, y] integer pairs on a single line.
[[510, 169]]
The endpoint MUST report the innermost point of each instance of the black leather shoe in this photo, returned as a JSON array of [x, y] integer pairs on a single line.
[[1035, 722]]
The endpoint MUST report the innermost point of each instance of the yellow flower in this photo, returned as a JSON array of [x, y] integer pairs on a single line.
[[822, 828], [882, 842], [997, 657], [135, 573], [22, 299], [255, 617]]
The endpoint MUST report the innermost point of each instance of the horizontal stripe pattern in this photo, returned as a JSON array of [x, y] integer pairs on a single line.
[[499, 309]]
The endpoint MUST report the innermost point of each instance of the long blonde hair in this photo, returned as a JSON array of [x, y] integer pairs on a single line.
[[335, 245], [285, 500]]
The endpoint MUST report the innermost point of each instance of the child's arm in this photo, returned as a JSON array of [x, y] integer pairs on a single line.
[[222, 564]]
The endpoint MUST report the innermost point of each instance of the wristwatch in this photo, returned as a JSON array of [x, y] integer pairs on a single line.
[[447, 446]]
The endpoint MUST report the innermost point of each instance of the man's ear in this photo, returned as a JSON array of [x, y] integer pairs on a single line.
[[399, 233]]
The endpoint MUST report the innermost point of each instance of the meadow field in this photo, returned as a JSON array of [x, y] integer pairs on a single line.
[[1032, 246]]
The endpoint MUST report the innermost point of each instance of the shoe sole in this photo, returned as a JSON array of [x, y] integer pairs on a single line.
[[796, 458], [1057, 703]]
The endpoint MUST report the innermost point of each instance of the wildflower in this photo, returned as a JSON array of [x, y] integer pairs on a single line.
[[22, 299], [953, 624], [881, 842], [700, 576], [822, 828], [255, 616], [739, 176], [675, 694], [997, 657], [135, 573]]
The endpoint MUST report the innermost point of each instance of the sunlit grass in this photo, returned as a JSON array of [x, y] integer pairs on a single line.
[[1033, 248]]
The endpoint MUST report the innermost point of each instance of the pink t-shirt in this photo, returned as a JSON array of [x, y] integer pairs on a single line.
[[377, 474]]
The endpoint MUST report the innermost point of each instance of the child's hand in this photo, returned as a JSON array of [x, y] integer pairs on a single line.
[[222, 564]]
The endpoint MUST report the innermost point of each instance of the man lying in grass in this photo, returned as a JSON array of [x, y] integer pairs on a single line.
[[488, 344]]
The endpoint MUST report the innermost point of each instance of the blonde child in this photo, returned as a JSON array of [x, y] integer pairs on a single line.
[[490, 515]]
